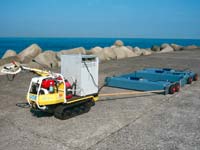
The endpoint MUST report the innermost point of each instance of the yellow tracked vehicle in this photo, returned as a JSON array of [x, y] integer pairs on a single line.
[[72, 92]]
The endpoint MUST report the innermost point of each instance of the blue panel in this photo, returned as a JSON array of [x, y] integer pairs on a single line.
[[153, 76], [137, 84], [169, 71], [150, 79]]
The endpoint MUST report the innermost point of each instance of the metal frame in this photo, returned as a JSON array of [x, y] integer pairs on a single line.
[[39, 88], [138, 84]]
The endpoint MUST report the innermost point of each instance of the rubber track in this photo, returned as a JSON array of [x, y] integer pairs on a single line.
[[64, 112]]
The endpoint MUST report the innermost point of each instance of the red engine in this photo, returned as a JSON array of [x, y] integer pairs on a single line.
[[46, 83]]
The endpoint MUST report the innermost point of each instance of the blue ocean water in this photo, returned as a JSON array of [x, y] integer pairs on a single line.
[[56, 44]]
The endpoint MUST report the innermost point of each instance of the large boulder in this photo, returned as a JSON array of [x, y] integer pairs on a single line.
[[120, 54], [137, 51], [98, 51], [59, 64], [109, 54], [47, 58], [130, 47], [123, 52], [167, 49], [146, 52], [118, 43], [29, 53], [190, 47], [155, 48], [164, 46], [36, 65], [106, 53], [79, 50], [89, 52], [176, 47], [9, 60], [101, 56], [9, 53], [128, 52]]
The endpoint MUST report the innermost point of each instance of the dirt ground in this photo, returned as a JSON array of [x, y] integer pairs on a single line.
[[133, 122]]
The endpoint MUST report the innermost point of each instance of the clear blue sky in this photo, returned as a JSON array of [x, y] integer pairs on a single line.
[[100, 18]]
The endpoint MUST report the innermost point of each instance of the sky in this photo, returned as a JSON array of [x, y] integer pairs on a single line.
[[100, 18]]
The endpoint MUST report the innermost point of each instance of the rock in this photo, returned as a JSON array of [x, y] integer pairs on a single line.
[[123, 52], [35, 65], [106, 53], [59, 64], [128, 52], [176, 47], [109, 54], [155, 48], [190, 47], [9, 53], [79, 50], [47, 58], [100, 55], [130, 47], [113, 52], [120, 54], [164, 46], [137, 51], [118, 43], [29, 53], [146, 52], [167, 49], [88, 52], [98, 51], [9, 60]]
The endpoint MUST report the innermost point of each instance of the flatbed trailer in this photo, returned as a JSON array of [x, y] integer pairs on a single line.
[[140, 84]]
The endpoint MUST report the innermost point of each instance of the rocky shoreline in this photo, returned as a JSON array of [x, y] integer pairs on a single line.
[[117, 51]]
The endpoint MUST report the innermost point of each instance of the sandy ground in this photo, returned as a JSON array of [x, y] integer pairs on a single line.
[[146, 122]]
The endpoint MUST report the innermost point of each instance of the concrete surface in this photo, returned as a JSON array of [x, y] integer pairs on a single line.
[[132, 122]]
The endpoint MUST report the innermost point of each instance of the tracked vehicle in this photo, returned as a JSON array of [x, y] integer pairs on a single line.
[[72, 92]]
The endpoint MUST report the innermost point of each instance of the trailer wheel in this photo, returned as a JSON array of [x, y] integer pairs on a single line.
[[172, 89], [189, 81], [177, 87], [196, 77]]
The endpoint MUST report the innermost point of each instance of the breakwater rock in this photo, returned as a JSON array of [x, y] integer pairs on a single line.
[[118, 50]]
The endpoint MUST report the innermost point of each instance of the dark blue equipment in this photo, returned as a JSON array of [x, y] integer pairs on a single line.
[[153, 79]]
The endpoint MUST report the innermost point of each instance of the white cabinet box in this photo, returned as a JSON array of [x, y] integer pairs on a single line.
[[83, 69]]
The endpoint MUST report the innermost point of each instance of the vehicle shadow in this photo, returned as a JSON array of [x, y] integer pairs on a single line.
[[40, 114]]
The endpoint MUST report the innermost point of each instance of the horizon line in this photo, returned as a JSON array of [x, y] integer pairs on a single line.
[[100, 37]]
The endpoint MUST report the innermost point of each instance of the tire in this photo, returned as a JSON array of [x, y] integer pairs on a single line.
[[172, 89], [177, 87], [189, 80], [196, 77]]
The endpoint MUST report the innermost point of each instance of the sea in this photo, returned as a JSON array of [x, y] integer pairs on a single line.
[[56, 44]]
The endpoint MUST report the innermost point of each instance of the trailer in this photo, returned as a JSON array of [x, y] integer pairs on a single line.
[[128, 81], [150, 79], [178, 79], [172, 75], [192, 74]]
